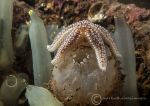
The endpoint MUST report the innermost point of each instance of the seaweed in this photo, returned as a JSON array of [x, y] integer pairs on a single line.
[[41, 57]]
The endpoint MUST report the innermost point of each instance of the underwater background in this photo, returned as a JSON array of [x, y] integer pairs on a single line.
[[74, 52]]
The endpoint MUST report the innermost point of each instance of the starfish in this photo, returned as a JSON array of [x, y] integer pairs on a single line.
[[96, 35]]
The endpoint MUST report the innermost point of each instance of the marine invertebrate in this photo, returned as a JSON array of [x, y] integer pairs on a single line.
[[11, 89], [39, 96], [97, 11], [41, 57], [1, 103], [135, 13], [76, 73], [21, 37], [94, 34], [124, 41], [6, 47], [52, 31]]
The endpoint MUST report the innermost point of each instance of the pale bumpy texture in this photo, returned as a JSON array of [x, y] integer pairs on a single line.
[[96, 35]]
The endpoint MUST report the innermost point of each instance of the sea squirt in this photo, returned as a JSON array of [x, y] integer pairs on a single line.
[[85, 64], [39, 96], [6, 47], [40, 56], [12, 88], [124, 41]]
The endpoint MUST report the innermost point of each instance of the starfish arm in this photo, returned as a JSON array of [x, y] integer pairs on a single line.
[[109, 41], [62, 35], [72, 37], [98, 45], [59, 38]]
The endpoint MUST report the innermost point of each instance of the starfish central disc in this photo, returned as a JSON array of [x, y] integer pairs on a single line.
[[96, 36]]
